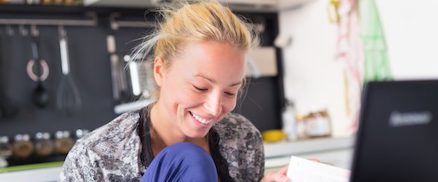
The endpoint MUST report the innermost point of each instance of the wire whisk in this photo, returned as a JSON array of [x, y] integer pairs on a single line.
[[68, 98]]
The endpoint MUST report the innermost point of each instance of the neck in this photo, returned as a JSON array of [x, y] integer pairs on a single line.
[[165, 131]]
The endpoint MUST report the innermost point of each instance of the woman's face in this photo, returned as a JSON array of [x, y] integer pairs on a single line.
[[200, 86]]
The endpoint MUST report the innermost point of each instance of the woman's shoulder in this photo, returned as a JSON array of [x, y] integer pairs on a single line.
[[110, 150], [235, 128], [241, 146], [110, 138], [119, 128], [236, 123]]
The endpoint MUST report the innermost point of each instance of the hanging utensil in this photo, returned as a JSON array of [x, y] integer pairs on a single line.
[[115, 66], [68, 98], [140, 74], [119, 85], [40, 95], [119, 78]]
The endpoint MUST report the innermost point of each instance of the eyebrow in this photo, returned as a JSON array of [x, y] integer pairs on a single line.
[[214, 81]]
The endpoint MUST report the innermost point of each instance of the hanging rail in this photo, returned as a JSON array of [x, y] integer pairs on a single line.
[[50, 22], [116, 24]]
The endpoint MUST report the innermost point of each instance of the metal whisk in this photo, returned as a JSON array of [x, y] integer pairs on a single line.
[[68, 98]]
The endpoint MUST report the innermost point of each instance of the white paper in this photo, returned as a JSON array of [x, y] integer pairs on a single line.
[[303, 170]]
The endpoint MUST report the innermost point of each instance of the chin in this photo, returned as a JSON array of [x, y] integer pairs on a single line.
[[197, 135], [193, 132]]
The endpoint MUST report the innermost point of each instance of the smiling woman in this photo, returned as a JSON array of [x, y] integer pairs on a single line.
[[188, 133], [207, 89]]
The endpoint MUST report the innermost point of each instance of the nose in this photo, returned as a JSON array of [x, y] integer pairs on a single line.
[[213, 104]]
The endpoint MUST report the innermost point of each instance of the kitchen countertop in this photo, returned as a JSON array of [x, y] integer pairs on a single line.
[[334, 151], [302, 147], [48, 174], [275, 153]]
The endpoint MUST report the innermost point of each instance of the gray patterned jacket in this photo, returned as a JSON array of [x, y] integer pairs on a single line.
[[112, 152]]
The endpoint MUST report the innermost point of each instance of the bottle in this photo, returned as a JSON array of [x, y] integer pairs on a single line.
[[301, 126], [289, 121]]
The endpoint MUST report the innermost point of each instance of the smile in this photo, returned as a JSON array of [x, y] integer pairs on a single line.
[[201, 119]]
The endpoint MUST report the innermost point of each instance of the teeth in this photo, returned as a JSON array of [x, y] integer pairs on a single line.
[[200, 119]]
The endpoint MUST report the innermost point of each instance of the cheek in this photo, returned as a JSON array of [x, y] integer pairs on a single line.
[[229, 104], [172, 95], [189, 98]]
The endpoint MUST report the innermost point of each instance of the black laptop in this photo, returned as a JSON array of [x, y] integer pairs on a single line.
[[397, 138]]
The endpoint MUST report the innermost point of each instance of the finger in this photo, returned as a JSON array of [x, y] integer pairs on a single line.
[[315, 160], [284, 179], [281, 178], [283, 170]]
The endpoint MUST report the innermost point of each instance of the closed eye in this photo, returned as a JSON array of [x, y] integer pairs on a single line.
[[230, 93], [200, 89]]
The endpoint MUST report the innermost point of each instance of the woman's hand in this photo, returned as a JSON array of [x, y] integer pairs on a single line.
[[279, 176]]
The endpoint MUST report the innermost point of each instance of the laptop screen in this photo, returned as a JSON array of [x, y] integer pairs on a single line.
[[398, 132]]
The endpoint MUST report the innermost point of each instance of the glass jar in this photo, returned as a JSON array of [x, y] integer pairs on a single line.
[[318, 124], [22, 147], [44, 146], [63, 142]]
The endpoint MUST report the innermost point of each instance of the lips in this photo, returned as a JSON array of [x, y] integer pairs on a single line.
[[200, 119]]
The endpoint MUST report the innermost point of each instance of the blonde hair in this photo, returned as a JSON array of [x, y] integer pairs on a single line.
[[185, 22]]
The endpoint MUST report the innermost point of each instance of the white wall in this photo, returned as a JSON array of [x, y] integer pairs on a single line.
[[412, 35], [314, 79]]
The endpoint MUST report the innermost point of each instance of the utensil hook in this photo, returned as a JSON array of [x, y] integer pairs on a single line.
[[34, 30], [61, 30], [23, 31], [113, 22], [9, 30]]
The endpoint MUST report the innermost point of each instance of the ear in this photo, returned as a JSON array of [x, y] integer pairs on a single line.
[[159, 71]]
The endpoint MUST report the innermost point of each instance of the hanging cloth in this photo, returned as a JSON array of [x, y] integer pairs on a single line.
[[377, 65], [349, 52]]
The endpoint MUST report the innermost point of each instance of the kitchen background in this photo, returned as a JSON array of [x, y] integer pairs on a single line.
[[312, 55], [314, 75], [100, 84]]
